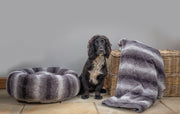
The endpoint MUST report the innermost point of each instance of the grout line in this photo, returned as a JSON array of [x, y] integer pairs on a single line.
[[96, 107], [167, 106], [22, 109]]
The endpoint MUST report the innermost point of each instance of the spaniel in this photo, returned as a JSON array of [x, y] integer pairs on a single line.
[[95, 68]]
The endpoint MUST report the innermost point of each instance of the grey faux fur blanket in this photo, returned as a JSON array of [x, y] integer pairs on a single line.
[[44, 85], [141, 77]]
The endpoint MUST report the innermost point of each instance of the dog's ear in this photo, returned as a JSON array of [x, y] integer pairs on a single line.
[[107, 47], [91, 48]]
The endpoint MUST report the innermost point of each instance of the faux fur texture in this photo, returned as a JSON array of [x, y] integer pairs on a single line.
[[44, 85], [141, 77]]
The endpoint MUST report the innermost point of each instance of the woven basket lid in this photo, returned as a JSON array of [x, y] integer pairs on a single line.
[[168, 52], [116, 53]]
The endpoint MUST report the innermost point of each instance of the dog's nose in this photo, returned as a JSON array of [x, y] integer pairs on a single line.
[[101, 49]]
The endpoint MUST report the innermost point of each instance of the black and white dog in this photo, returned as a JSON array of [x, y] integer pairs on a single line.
[[95, 68]]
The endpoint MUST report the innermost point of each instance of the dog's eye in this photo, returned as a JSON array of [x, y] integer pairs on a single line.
[[102, 41]]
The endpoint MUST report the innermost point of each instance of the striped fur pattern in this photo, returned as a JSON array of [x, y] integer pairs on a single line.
[[141, 77], [43, 85]]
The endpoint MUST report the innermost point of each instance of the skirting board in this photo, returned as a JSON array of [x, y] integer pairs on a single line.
[[3, 82]]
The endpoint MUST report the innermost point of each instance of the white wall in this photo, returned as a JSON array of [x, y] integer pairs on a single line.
[[55, 33]]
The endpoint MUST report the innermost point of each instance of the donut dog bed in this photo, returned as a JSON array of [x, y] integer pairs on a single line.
[[43, 85]]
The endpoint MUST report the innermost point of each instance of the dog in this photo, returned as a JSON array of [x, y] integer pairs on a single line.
[[95, 68]]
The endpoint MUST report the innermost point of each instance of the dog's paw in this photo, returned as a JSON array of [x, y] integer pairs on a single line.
[[98, 97], [85, 96]]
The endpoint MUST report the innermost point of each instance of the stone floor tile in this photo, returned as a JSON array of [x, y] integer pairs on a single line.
[[10, 108], [9, 105], [61, 108], [5, 98], [173, 103]]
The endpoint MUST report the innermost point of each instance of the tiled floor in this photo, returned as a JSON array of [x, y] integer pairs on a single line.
[[8, 105]]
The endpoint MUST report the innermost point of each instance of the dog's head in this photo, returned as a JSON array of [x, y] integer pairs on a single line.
[[99, 44]]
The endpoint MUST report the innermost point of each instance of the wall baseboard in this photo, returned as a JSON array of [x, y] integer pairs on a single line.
[[3, 82]]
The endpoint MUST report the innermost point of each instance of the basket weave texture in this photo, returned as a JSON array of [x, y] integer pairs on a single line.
[[171, 60]]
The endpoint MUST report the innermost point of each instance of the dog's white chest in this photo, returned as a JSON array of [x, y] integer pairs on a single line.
[[97, 63]]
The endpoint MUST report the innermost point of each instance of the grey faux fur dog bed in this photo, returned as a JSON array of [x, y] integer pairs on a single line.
[[141, 77], [43, 85]]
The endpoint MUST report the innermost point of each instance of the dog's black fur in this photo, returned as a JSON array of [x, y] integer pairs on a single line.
[[99, 45]]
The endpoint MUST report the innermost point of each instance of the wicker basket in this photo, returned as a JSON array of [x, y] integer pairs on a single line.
[[171, 60], [172, 84], [112, 66]]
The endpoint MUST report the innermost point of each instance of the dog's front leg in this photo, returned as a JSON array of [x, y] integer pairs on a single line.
[[86, 88], [98, 88]]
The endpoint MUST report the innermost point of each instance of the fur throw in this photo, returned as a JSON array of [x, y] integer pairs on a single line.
[[141, 77], [43, 85]]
